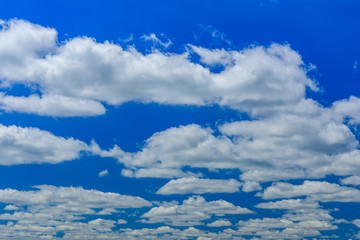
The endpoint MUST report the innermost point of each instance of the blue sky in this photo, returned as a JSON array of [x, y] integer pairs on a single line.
[[179, 119]]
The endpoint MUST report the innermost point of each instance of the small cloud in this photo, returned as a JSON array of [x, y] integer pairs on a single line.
[[220, 223], [356, 65], [156, 41], [121, 221], [11, 208], [212, 35], [127, 40], [103, 173]]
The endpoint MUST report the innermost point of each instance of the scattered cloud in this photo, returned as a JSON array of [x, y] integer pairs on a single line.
[[320, 191], [156, 41], [103, 173], [192, 212], [49, 210], [220, 223], [251, 187], [51, 105], [352, 180], [356, 65], [289, 204], [76, 197], [193, 185]]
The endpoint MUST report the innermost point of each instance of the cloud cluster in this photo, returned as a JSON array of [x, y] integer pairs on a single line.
[[192, 212], [193, 185], [48, 210], [303, 218], [84, 71], [320, 191], [307, 141], [70, 197]]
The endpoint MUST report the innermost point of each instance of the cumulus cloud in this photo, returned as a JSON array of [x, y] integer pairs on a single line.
[[219, 223], [289, 204], [320, 191], [307, 141], [303, 218], [292, 137], [70, 197], [251, 186], [105, 72], [352, 180], [48, 210], [193, 185], [193, 211], [31, 145], [165, 233], [282, 228], [51, 105]]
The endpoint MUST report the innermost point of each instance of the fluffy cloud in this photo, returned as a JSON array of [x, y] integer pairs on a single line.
[[51, 105], [320, 191], [70, 197], [353, 180], [90, 71], [219, 223], [192, 185], [31, 145], [193, 211], [268, 228], [251, 186], [44, 212], [289, 204], [302, 219], [168, 233], [103, 173], [308, 141], [292, 137]]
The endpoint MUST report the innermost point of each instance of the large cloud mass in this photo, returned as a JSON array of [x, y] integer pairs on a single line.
[[88, 71]]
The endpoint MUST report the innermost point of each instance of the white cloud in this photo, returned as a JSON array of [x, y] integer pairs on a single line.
[[20, 43], [51, 105], [320, 191], [49, 210], [289, 204], [294, 225], [251, 186], [220, 223], [11, 207], [292, 137], [70, 197], [103, 173], [308, 141], [356, 222], [167, 233], [193, 185], [352, 180], [31, 145], [349, 108], [193, 211], [152, 37], [121, 221], [90, 71]]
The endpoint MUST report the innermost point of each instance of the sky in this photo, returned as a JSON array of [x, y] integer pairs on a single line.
[[165, 120]]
